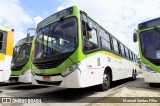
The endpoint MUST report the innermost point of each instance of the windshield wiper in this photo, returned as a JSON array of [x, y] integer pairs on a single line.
[[60, 20], [45, 51], [157, 30]]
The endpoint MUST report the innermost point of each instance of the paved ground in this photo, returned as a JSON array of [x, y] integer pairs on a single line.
[[133, 94], [60, 96]]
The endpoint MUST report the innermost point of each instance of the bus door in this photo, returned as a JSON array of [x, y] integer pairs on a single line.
[[2, 58], [90, 46]]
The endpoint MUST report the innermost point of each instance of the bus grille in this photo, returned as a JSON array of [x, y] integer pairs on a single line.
[[48, 65]]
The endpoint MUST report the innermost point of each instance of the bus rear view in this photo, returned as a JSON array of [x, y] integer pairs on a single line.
[[149, 48]]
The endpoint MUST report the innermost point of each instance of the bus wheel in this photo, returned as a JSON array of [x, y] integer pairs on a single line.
[[133, 76], [152, 84], [106, 81]]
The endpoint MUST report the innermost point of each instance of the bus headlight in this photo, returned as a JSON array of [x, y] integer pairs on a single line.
[[32, 72], [24, 70], [12, 64], [70, 70], [149, 68]]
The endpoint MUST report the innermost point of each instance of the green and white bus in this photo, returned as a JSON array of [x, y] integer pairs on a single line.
[[21, 61], [64, 55], [149, 48]]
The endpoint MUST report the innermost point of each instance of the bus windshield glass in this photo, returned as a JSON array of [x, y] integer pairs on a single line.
[[21, 54], [57, 38], [150, 44]]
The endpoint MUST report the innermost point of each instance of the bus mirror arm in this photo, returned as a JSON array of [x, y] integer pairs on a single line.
[[28, 34]]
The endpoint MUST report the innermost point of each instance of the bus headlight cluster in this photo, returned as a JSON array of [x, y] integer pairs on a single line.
[[70, 70], [33, 73], [149, 68], [12, 64], [24, 70]]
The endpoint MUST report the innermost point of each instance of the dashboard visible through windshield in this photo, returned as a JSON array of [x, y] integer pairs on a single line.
[[150, 44]]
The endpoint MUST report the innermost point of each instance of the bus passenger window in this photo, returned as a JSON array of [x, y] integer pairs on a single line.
[[122, 49], [126, 52], [115, 45], [105, 39], [1, 40], [90, 41]]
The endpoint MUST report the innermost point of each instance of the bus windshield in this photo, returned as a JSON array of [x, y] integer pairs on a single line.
[[57, 38], [21, 54], [150, 44]]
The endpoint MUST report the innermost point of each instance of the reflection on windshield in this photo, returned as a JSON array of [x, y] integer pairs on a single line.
[[51, 41], [151, 44], [21, 54]]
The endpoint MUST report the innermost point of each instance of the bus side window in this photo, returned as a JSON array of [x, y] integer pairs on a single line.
[[90, 39], [105, 39], [92, 43], [122, 49], [119, 48], [1, 40], [126, 52], [132, 55], [115, 45], [134, 58]]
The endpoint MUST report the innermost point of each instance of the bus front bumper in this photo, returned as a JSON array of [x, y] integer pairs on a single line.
[[150, 77], [70, 81], [24, 78]]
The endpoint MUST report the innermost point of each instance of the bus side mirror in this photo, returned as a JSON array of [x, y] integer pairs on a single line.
[[135, 37]]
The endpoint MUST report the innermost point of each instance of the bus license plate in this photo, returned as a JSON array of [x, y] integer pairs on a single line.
[[46, 78]]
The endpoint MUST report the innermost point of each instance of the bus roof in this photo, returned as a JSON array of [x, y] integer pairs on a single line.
[[2, 28], [24, 40], [55, 16], [150, 23], [5, 29]]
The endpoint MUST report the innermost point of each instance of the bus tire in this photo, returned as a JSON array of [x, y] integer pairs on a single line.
[[152, 84], [106, 81], [133, 75]]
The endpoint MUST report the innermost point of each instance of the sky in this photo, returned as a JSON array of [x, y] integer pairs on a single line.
[[119, 17]]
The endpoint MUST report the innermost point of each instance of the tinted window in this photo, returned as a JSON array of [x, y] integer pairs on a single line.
[[126, 52], [131, 57], [1, 40], [122, 49], [105, 43], [115, 45], [104, 35], [105, 39]]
